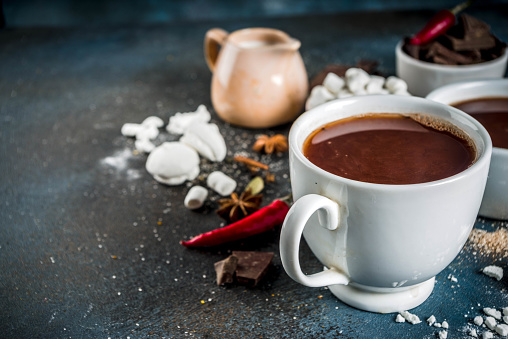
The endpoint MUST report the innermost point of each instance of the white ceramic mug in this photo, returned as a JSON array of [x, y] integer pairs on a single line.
[[381, 245], [495, 199]]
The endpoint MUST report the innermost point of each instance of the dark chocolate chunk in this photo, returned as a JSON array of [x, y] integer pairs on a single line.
[[225, 270], [440, 54], [252, 266]]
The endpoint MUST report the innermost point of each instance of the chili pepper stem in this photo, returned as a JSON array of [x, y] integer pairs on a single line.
[[462, 6]]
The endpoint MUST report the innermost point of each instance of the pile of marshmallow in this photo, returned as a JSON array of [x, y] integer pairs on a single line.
[[355, 82], [172, 163]]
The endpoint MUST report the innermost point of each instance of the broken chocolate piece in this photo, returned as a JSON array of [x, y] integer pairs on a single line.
[[441, 54], [252, 266], [468, 42], [225, 270]]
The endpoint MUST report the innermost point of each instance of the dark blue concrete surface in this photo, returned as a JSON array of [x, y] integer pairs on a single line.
[[89, 241]]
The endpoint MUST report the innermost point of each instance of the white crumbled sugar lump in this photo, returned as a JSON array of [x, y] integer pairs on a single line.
[[437, 325], [487, 335], [196, 197], [144, 145], [221, 183], [172, 163], [411, 318], [452, 278], [443, 334], [356, 79], [505, 318], [400, 319], [444, 324], [472, 333], [319, 95], [207, 140], [333, 83], [153, 121], [179, 122], [502, 330], [493, 271], [505, 311], [491, 323], [492, 312], [431, 320], [478, 320]]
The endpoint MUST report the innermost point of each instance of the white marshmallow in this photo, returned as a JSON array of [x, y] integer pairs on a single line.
[[179, 123], [207, 140], [319, 95], [144, 145], [195, 197], [345, 93], [221, 183], [172, 163], [153, 121], [130, 130], [395, 84], [356, 79], [333, 83], [375, 85]]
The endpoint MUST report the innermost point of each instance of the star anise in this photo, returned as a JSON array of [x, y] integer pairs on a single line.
[[235, 208], [277, 143]]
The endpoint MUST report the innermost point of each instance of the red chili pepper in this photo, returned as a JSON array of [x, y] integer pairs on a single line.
[[258, 222], [439, 24]]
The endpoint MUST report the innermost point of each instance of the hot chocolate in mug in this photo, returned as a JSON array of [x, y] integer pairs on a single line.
[[381, 244]]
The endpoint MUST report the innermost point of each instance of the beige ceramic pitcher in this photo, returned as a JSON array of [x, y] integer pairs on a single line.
[[259, 79]]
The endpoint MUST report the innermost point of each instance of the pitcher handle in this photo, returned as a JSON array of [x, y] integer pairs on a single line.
[[291, 234], [214, 39]]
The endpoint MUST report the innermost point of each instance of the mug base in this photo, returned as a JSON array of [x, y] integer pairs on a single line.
[[388, 301]]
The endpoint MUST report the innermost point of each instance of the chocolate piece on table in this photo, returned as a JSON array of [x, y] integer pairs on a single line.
[[252, 266], [225, 270]]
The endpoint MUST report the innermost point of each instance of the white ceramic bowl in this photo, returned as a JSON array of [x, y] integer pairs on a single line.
[[495, 199], [423, 77]]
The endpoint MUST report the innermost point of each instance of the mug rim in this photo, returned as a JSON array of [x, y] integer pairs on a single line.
[[471, 84], [483, 156]]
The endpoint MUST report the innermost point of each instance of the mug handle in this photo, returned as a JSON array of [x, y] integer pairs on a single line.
[[291, 234], [214, 38]]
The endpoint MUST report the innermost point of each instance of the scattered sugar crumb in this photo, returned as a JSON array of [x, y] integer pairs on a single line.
[[493, 271]]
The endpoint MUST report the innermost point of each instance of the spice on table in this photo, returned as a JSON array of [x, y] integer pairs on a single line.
[[235, 208], [277, 143], [438, 24], [258, 222], [250, 162]]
